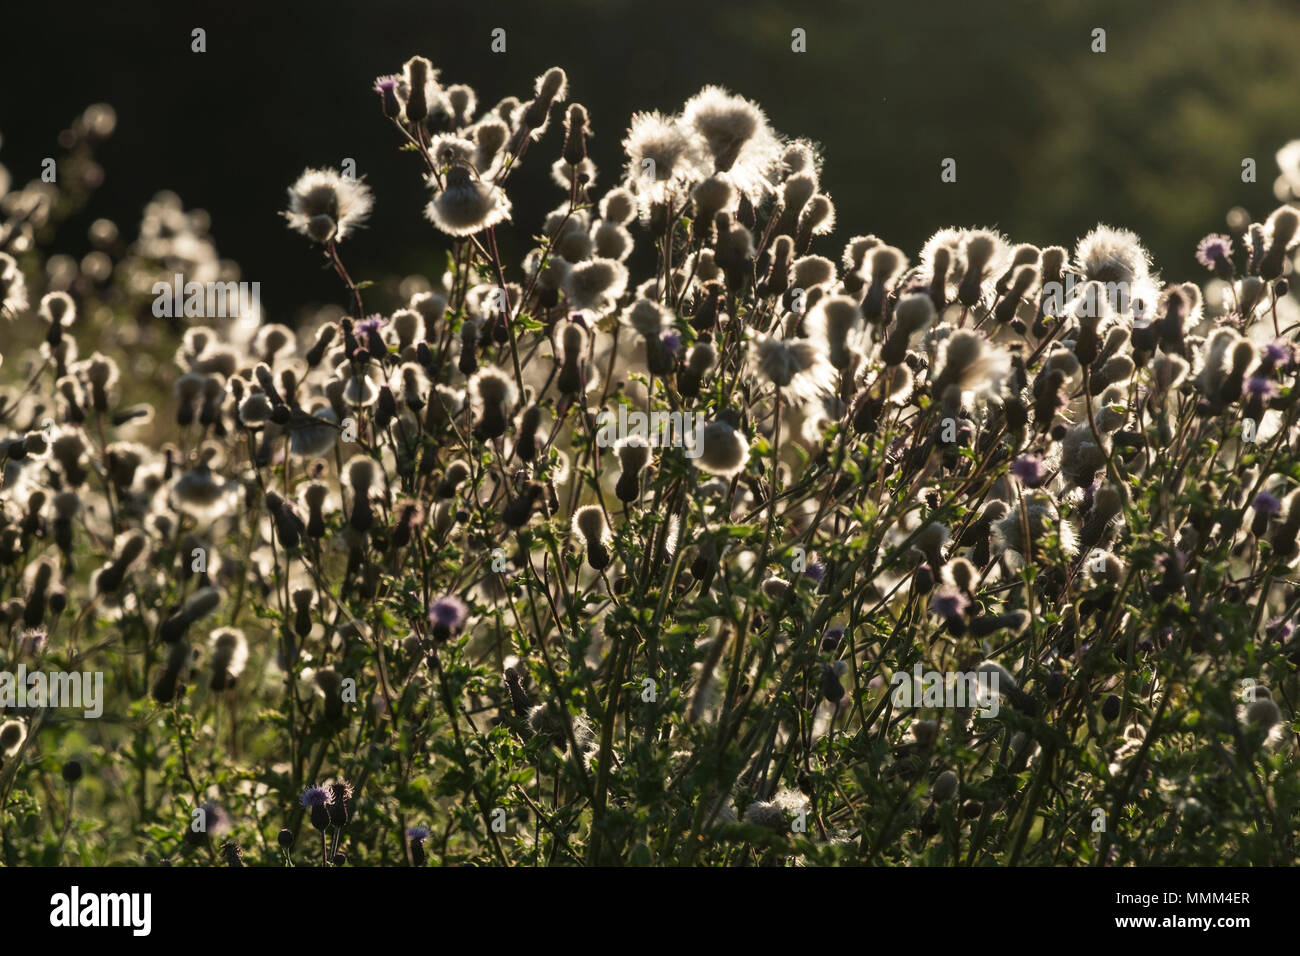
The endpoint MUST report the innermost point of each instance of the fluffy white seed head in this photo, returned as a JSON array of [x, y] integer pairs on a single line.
[[336, 205], [589, 523], [724, 450], [467, 205], [491, 387]]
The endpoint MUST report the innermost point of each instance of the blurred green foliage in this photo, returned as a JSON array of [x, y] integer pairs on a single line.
[[1049, 137]]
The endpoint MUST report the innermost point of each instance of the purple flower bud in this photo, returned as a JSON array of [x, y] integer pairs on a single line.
[[831, 639], [447, 615], [215, 823], [1280, 629], [949, 603], [1266, 504], [314, 797], [1213, 250], [1260, 389], [832, 689], [317, 801], [386, 87], [1277, 353], [1029, 469]]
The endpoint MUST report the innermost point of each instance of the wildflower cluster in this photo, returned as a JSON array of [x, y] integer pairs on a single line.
[[394, 543]]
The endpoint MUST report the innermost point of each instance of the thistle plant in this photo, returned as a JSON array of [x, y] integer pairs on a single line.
[[982, 554]]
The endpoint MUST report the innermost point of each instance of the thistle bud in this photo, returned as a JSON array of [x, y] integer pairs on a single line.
[[417, 75], [633, 455], [831, 688], [1110, 708], [526, 439], [386, 87], [229, 654], [339, 806], [415, 837], [493, 394], [316, 801], [455, 475], [165, 686], [517, 513], [944, 787], [589, 524], [303, 599], [330, 685], [575, 135], [1280, 230]]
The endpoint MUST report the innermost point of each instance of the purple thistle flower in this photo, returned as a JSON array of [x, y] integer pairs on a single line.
[[215, 823], [447, 615], [831, 639], [1260, 389], [315, 797], [317, 800], [1214, 250], [1171, 563], [418, 834], [386, 87], [1280, 629], [1277, 353], [371, 323], [949, 603], [1266, 504], [1029, 469], [816, 571], [671, 342]]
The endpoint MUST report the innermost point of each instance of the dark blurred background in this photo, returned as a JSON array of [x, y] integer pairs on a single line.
[[1049, 137]]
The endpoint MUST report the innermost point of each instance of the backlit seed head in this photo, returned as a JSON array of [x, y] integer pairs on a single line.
[[944, 787], [725, 450], [324, 205], [491, 387], [362, 474], [58, 308], [589, 523], [619, 205], [466, 205], [12, 735], [777, 589], [1263, 713], [633, 454]]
